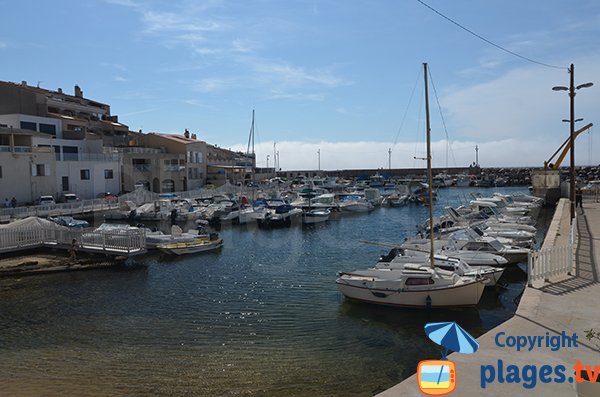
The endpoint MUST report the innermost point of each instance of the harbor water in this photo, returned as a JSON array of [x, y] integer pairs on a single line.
[[261, 317]]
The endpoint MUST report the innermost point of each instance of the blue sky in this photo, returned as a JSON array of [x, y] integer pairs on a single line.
[[335, 76]]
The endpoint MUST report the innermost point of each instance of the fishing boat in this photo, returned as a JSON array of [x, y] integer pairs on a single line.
[[415, 286], [198, 245]]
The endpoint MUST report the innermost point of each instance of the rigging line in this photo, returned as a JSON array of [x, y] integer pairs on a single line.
[[407, 107], [437, 100], [488, 41]]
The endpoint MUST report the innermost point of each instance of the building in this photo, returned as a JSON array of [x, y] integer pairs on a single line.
[[59, 114], [152, 169], [26, 171], [191, 174], [225, 165]]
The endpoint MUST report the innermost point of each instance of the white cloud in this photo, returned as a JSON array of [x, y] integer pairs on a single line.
[[121, 79], [212, 85]]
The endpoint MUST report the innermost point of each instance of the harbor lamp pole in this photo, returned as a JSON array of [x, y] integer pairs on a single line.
[[572, 120], [267, 161], [390, 160], [319, 159]]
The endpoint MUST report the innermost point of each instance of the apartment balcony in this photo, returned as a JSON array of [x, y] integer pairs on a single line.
[[142, 168], [100, 157]]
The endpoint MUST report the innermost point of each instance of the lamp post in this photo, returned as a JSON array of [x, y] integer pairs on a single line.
[[571, 121], [267, 161], [319, 159], [390, 160]]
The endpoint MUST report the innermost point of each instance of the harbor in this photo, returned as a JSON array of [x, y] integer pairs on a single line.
[[242, 320]]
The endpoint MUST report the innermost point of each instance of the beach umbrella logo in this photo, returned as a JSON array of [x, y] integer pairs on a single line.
[[438, 377]]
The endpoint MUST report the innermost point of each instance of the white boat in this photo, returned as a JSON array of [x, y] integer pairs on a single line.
[[416, 286], [419, 286], [395, 200], [318, 215], [154, 237], [355, 203], [397, 258], [201, 244]]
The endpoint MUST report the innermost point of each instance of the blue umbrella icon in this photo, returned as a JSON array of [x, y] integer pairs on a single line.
[[452, 337]]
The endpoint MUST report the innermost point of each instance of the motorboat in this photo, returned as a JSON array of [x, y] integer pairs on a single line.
[[198, 245], [397, 258], [395, 200], [279, 214], [355, 203], [69, 222], [317, 215], [155, 237], [414, 285]]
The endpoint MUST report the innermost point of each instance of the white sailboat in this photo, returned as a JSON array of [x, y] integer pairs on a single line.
[[414, 285]]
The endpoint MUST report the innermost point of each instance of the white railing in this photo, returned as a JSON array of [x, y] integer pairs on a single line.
[[553, 262], [80, 207], [109, 242], [547, 263]]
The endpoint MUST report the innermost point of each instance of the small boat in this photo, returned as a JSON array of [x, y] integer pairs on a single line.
[[398, 257], [201, 244], [317, 215], [416, 286], [69, 222]]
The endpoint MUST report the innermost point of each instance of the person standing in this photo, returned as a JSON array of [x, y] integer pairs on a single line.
[[578, 198], [6, 203], [13, 202], [73, 251]]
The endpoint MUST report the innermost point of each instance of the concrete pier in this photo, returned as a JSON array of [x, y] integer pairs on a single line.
[[569, 304]]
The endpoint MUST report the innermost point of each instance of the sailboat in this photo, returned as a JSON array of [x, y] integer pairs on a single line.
[[251, 214], [414, 285]]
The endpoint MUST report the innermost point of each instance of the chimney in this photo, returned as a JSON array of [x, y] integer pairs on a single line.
[[60, 90], [24, 83], [186, 133], [78, 92], [194, 136]]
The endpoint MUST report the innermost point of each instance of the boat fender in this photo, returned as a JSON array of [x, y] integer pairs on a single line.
[[428, 302]]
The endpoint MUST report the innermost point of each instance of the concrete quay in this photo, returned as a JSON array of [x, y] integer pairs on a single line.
[[569, 304]]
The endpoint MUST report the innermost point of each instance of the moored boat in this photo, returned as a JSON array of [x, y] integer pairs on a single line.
[[416, 286], [197, 245]]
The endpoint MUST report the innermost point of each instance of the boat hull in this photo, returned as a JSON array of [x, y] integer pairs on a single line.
[[467, 294]]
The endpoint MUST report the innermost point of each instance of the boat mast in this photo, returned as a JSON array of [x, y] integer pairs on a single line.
[[429, 173], [251, 144]]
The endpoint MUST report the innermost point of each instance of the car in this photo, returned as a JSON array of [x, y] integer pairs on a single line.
[[46, 200], [69, 198]]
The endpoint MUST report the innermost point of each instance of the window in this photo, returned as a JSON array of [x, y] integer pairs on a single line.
[[168, 185], [84, 174], [419, 281], [70, 153], [40, 170], [27, 125], [108, 174], [0, 172], [48, 128]]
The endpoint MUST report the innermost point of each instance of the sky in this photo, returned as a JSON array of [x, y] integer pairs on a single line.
[[333, 83]]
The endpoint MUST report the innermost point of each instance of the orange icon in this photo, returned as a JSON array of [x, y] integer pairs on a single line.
[[436, 377]]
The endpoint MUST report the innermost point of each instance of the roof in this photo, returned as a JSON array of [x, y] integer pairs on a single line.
[[178, 138], [50, 92]]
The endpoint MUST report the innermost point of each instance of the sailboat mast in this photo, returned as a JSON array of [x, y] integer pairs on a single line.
[[429, 173]]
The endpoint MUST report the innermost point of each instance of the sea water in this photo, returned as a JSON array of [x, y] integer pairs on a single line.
[[261, 317]]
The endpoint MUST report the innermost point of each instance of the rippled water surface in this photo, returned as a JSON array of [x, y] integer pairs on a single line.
[[261, 317]]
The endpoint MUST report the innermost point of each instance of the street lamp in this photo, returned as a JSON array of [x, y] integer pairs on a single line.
[[267, 161], [319, 159], [572, 121]]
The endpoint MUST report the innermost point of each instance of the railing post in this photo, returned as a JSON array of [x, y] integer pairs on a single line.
[[530, 269]]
